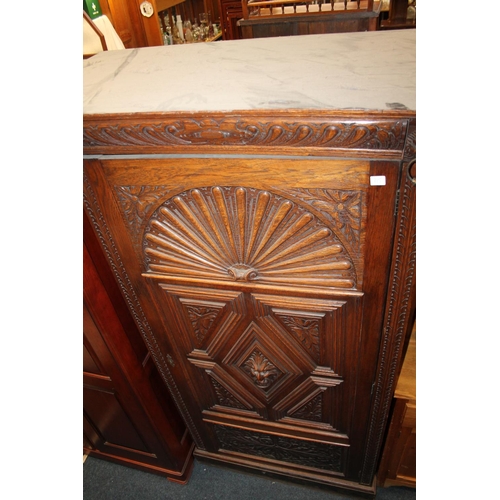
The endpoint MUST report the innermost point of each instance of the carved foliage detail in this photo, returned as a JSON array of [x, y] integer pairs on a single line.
[[262, 371], [136, 202], [312, 410], [202, 318], [306, 330], [306, 453], [224, 397], [245, 234], [344, 210]]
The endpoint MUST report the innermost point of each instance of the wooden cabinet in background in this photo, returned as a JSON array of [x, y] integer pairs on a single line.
[[129, 417], [398, 465], [230, 13], [136, 30]]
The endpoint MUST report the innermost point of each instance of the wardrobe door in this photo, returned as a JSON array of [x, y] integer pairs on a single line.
[[261, 283]]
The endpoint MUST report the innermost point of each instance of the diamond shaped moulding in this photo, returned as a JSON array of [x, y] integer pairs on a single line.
[[259, 364]]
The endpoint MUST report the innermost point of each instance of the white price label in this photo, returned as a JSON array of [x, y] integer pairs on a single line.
[[377, 180]]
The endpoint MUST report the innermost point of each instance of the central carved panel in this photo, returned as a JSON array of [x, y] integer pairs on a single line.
[[245, 234]]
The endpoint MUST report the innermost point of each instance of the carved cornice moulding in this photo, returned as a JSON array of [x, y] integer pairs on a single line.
[[307, 133]]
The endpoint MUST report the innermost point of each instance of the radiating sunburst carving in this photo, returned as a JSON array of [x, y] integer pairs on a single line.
[[244, 234]]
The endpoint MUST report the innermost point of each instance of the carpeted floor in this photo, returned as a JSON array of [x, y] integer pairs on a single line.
[[108, 481]]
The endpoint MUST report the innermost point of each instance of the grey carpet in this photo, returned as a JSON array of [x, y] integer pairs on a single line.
[[108, 481]]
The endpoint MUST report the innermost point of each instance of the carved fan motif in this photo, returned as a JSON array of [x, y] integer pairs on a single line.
[[244, 234]]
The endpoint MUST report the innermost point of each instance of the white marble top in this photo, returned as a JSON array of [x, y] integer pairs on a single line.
[[369, 70]]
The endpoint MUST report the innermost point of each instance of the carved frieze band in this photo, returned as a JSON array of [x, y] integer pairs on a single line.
[[245, 234], [397, 320], [97, 219], [295, 451], [163, 132]]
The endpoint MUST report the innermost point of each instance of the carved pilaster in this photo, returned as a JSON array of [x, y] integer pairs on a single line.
[[399, 313]]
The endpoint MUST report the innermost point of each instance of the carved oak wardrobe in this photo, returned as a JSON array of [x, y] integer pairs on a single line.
[[264, 238]]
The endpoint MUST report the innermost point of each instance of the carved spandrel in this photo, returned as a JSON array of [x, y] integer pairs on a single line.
[[137, 202], [202, 318], [307, 332], [225, 398], [343, 209], [245, 234], [312, 410]]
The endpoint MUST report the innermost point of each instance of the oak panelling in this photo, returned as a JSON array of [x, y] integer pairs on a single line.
[[115, 427], [232, 338], [103, 409], [178, 174], [253, 334]]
